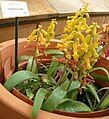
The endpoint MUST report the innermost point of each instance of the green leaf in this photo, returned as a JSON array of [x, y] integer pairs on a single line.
[[64, 86], [104, 103], [39, 98], [99, 77], [74, 85], [52, 81], [23, 58], [57, 56], [88, 99], [52, 68], [54, 99], [73, 106], [56, 52], [34, 67], [91, 88], [30, 63], [18, 77], [74, 94], [29, 94]]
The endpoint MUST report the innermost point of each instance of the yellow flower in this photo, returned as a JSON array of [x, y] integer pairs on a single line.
[[88, 38], [75, 50], [63, 40], [42, 40], [31, 38], [69, 29], [44, 32], [51, 30], [96, 40], [62, 47], [34, 32], [87, 63], [68, 56], [64, 36], [75, 56], [93, 51], [70, 37], [86, 59], [84, 47], [95, 54]]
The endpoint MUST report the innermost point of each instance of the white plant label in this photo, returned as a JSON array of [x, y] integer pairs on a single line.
[[14, 9]]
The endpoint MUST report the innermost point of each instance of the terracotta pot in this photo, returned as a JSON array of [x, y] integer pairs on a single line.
[[102, 62], [12, 107], [72, 114]]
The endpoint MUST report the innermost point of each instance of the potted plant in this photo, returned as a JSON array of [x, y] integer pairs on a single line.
[[60, 79]]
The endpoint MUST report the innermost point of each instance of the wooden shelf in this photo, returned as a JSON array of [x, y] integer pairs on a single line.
[[42, 11]]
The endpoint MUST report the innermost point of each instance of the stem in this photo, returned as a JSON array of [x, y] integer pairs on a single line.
[[16, 43]]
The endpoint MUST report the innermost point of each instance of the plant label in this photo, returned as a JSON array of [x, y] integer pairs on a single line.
[[14, 9]]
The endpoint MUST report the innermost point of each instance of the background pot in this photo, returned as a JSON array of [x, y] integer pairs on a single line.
[[102, 62]]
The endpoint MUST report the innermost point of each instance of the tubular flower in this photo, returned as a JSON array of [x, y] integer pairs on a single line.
[[68, 56], [84, 23], [84, 47], [31, 38], [42, 40], [74, 21], [70, 36], [87, 61], [88, 38], [42, 36], [51, 30], [34, 36], [95, 54], [75, 51], [75, 56], [87, 58], [95, 35], [93, 50], [96, 41], [62, 46], [63, 37], [83, 44], [44, 32]]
